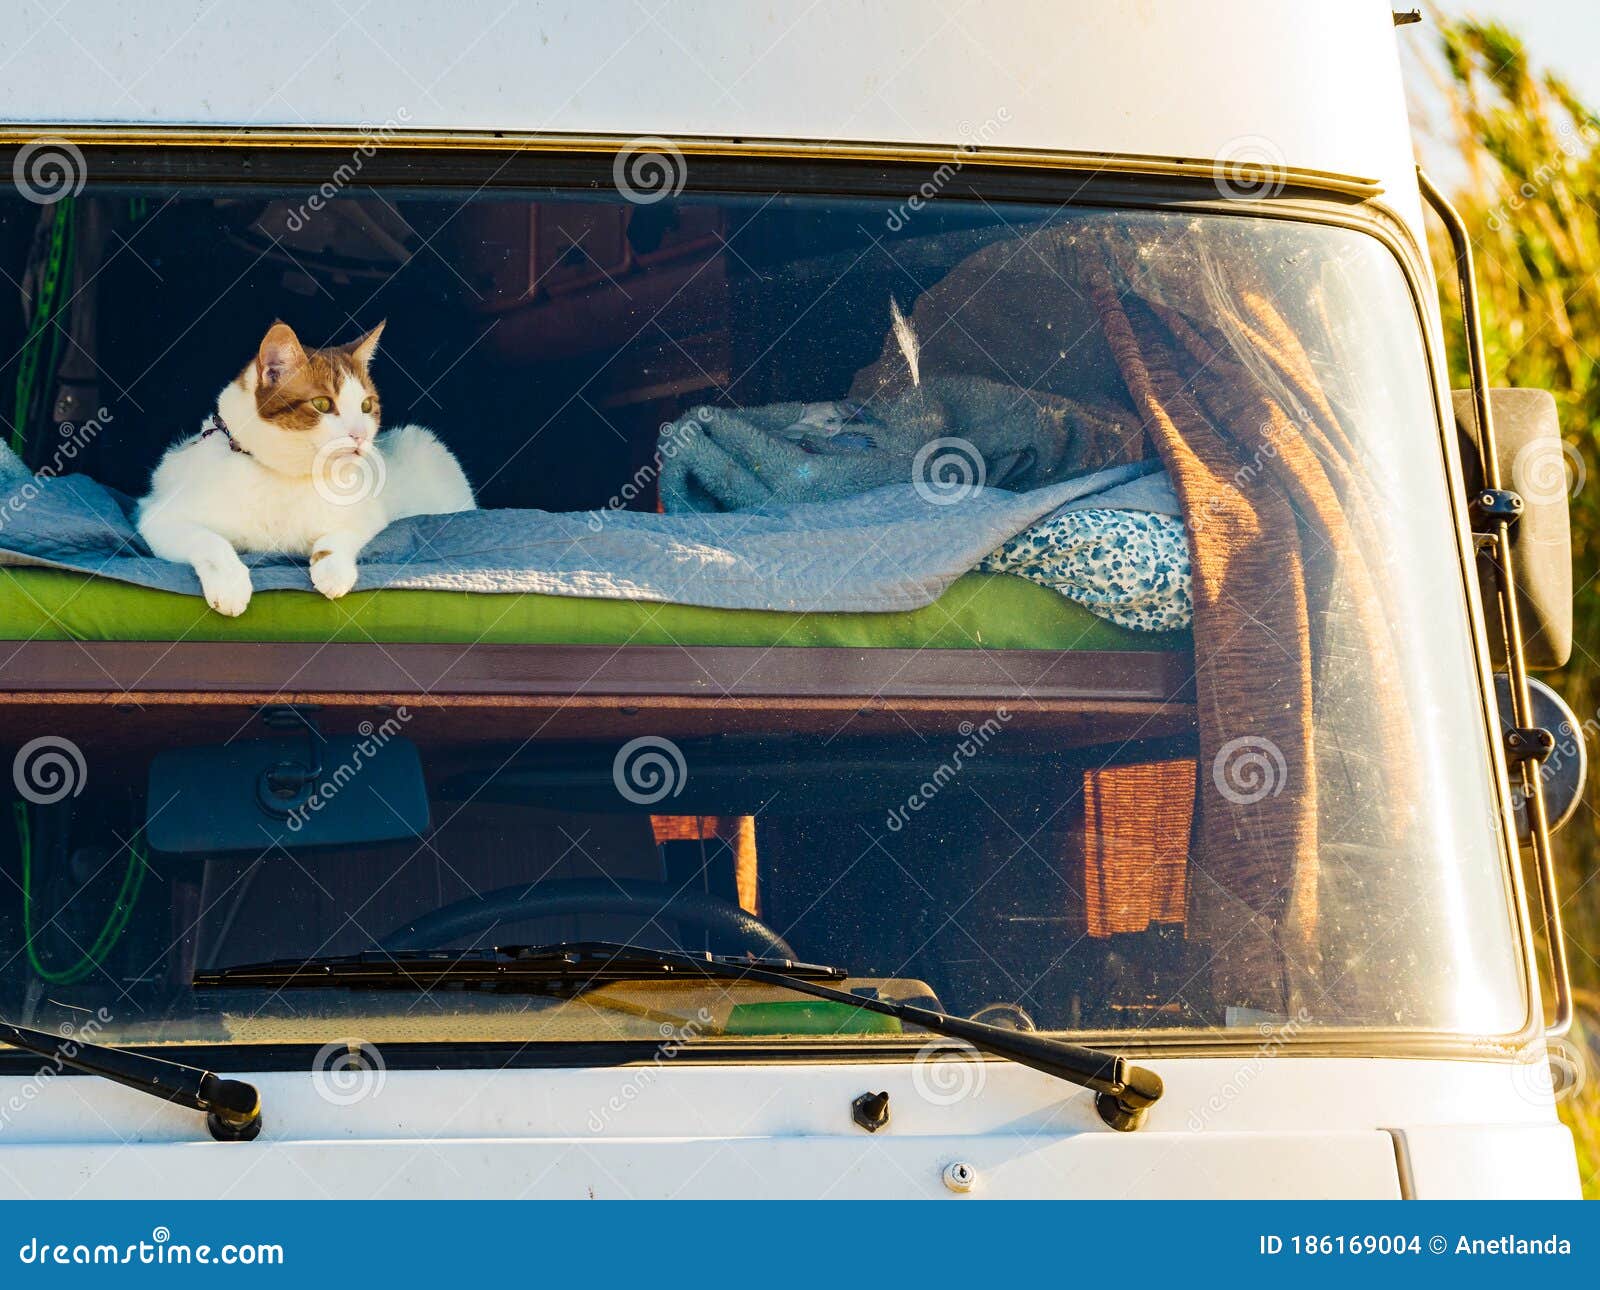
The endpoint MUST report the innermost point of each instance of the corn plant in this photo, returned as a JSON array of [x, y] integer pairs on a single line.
[[1530, 196]]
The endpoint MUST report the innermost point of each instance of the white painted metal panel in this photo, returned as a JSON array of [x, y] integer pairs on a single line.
[[1246, 1126], [837, 1167], [1315, 84], [1490, 1161]]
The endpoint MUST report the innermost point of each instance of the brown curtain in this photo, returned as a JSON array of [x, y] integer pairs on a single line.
[[1136, 846], [1178, 332], [1295, 674]]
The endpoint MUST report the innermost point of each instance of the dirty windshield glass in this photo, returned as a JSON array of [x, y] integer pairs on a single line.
[[1049, 615]]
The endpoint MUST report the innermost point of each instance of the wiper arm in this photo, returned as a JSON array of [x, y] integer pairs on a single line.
[[1124, 1092], [232, 1107]]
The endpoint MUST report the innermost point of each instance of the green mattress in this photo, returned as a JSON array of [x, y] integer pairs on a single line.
[[980, 611]]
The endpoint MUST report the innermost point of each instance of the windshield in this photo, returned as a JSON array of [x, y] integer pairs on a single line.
[[1081, 647]]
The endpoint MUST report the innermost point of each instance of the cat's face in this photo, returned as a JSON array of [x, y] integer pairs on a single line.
[[292, 405]]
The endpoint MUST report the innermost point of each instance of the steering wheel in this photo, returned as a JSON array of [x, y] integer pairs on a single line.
[[644, 901]]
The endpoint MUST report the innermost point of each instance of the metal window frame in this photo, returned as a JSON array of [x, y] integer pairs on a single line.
[[1287, 192], [1506, 589]]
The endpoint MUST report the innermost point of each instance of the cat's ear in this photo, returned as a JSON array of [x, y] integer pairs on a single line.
[[279, 355], [363, 350]]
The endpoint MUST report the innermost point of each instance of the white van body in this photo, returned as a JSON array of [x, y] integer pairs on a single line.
[[1310, 89]]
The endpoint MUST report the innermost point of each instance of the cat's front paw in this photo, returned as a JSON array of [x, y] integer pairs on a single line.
[[333, 575], [227, 588]]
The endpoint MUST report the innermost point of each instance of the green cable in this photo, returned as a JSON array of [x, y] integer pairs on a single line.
[[58, 255], [115, 923]]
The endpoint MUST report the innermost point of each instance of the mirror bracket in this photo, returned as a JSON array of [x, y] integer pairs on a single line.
[[1529, 743], [1498, 505]]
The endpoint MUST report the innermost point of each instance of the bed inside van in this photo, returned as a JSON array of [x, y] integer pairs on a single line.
[[681, 353]]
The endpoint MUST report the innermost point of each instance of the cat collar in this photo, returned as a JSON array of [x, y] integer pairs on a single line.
[[214, 424]]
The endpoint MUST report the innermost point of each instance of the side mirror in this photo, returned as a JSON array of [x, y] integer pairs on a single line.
[[1534, 464], [1563, 772]]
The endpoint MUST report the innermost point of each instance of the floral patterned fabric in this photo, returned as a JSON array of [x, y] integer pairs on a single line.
[[1131, 567]]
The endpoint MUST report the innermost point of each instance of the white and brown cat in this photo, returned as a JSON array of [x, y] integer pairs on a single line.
[[292, 463]]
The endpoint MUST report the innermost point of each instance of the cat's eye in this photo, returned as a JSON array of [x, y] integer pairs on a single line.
[[322, 404], [366, 404]]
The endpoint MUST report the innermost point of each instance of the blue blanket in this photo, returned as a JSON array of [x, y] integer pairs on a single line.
[[888, 549]]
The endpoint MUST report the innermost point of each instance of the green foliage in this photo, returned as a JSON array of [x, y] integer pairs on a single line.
[[1532, 153]]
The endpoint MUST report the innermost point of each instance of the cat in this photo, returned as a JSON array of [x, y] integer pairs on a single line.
[[292, 463]]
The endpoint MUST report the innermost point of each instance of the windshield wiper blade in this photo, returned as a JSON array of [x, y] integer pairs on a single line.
[[1123, 1091], [232, 1107], [568, 966]]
